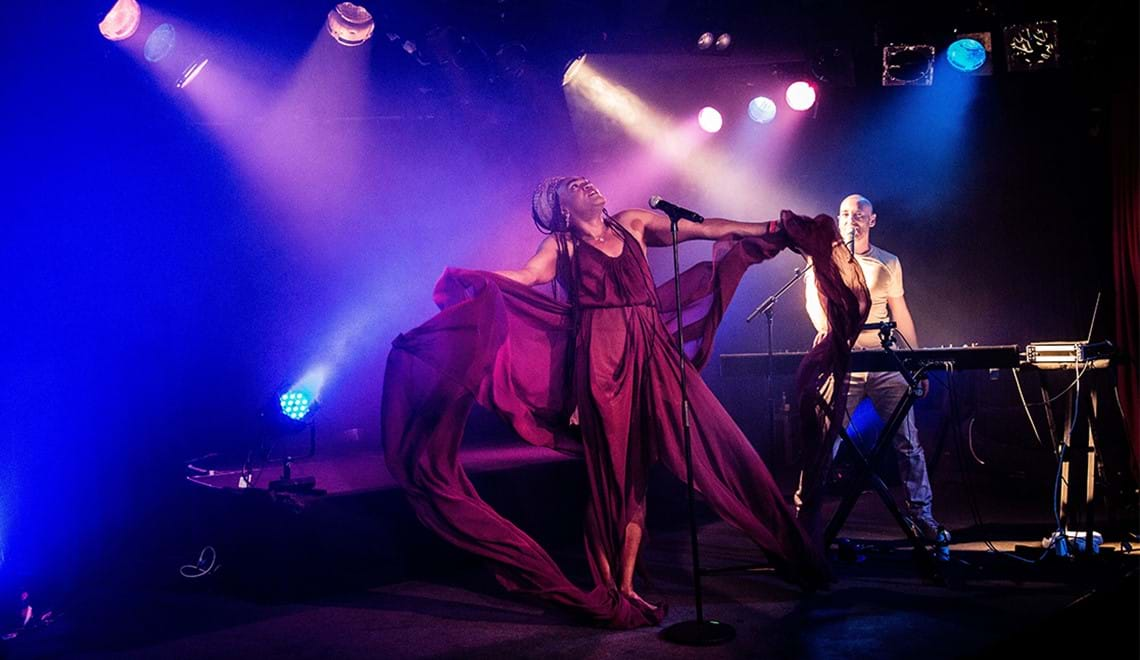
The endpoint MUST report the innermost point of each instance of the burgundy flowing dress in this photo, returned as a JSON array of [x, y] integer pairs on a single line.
[[535, 361]]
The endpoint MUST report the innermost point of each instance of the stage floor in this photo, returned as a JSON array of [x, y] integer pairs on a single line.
[[445, 606]]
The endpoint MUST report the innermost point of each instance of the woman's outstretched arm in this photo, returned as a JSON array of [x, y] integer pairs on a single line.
[[656, 231], [540, 269]]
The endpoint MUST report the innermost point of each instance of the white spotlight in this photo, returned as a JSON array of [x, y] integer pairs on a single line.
[[709, 119], [572, 69], [762, 109], [800, 96]]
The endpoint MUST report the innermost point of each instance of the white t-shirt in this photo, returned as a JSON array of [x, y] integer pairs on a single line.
[[883, 273]]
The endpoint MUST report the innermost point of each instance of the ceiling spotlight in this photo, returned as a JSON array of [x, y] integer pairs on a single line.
[[709, 119], [349, 24], [705, 41], [159, 43], [800, 96], [191, 72], [970, 53], [723, 41], [966, 55], [121, 21], [762, 109], [1031, 46], [908, 65], [573, 67]]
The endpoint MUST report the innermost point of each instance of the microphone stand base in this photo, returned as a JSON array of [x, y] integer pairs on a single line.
[[704, 632]]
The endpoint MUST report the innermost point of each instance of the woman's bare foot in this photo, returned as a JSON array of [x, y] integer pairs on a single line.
[[638, 600]]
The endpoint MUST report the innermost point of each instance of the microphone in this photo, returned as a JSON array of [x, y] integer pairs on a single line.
[[673, 211], [849, 239]]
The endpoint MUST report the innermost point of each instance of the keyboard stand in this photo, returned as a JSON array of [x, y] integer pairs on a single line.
[[865, 473]]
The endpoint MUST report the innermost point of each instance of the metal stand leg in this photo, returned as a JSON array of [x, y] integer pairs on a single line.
[[865, 474]]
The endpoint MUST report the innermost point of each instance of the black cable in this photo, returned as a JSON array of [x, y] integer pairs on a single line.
[[967, 482], [1025, 405], [1080, 369], [971, 495], [1059, 452]]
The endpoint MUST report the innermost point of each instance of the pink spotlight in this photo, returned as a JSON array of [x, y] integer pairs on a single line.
[[121, 21], [800, 96], [709, 119]]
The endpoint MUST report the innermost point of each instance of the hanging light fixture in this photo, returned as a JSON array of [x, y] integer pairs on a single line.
[[709, 119], [762, 110], [800, 96], [908, 65], [159, 43], [970, 52], [573, 68], [349, 24], [191, 72], [1032, 46], [121, 20]]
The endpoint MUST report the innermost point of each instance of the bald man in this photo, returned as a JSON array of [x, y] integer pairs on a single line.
[[883, 273]]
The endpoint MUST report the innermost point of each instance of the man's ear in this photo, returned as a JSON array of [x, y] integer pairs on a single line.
[[871, 222]]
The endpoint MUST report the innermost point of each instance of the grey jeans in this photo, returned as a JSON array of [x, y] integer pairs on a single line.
[[885, 390]]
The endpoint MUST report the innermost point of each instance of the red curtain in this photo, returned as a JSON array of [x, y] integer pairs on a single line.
[[1126, 259]]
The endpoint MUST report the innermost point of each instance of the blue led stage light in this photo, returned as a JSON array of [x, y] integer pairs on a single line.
[[296, 404], [966, 55]]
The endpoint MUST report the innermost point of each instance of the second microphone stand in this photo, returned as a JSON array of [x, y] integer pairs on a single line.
[[767, 308]]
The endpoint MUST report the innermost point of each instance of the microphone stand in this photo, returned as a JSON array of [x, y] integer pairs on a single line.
[[767, 308], [700, 631]]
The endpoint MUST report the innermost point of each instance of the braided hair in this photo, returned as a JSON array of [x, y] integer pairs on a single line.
[[548, 216]]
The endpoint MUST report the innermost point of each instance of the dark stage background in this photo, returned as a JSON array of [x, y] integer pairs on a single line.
[[172, 258]]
